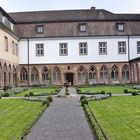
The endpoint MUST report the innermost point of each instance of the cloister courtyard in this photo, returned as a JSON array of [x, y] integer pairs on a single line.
[[111, 112]]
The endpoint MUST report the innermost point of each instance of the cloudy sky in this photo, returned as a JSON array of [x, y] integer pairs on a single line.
[[116, 6]]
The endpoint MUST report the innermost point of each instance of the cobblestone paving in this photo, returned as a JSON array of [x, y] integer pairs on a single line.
[[63, 120]]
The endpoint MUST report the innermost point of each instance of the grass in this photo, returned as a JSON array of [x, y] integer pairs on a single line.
[[112, 89], [39, 91], [17, 116], [119, 117]]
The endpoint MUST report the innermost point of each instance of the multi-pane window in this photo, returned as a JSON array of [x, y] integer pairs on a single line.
[[122, 47], [13, 47], [102, 47], [63, 49], [138, 46], [16, 49], [6, 43], [39, 49], [83, 48], [120, 26], [40, 29], [82, 27]]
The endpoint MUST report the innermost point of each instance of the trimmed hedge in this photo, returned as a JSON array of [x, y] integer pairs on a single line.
[[82, 97], [50, 98], [84, 101], [46, 102], [93, 123]]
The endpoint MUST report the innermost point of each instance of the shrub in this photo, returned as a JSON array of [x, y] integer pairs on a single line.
[[31, 93], [6, 94], [135, 93], [50, 98], [82, 97], [57, 90], [125, 90], [78, 90], [110, 94], [102, 92], [45, 102], [84, 101], [26, 95]]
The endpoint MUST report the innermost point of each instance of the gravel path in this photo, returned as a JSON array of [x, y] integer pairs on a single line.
[[63, 120]]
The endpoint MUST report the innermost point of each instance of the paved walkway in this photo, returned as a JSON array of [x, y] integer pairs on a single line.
[[63, 120]]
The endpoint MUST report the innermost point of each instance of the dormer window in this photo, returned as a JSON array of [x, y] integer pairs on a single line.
[[39, 29], [120, 26], [82, 27]]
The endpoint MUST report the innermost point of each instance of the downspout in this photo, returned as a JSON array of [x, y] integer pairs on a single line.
[[129, 58], [28, 61]]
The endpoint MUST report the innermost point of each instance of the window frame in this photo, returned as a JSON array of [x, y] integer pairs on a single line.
[[63, 47], [6, 43], [40, 29], [121, 47], [83, 48], [119, 28], [39, 49], [102, 47], [138, 47], [82, 27]]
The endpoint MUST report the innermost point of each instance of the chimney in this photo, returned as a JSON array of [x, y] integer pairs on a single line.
[[92, 8]]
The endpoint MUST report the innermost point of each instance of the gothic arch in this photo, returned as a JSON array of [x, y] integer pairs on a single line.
[[45, 74], [115, 73], [104, 74], [34, 75], [5, 74], [125, 73], [92, 74], [56, 75], [9, 74], [81, 75], [1, 75], [23, 75]]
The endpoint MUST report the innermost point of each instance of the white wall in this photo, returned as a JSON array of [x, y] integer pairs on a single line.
[[133, 47], [51, 50]]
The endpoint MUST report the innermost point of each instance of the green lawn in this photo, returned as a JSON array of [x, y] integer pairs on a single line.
[[112, 89], [17, 116], [119, 117], [39, 91]]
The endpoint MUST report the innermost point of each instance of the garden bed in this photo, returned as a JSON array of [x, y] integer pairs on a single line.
[[118, 117], [17, 116]]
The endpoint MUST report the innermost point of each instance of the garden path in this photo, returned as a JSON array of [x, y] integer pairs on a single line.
[[63, 120]]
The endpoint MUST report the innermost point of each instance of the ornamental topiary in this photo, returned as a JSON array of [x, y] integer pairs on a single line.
[[84, 101], [31, 93], [26, 95], [125, 90], [82, 97], [110, 94], [50, 98], [46, 102], [102, 92]]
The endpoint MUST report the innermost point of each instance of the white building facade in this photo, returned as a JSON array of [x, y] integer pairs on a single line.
[[78, 46]]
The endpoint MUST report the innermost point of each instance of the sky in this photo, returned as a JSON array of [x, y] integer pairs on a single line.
[[115, 6]]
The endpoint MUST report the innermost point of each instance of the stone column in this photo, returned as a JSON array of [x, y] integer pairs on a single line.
[[120, 75], [98, 75]]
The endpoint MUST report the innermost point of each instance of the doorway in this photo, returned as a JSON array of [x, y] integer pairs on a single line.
[[69, 78]]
